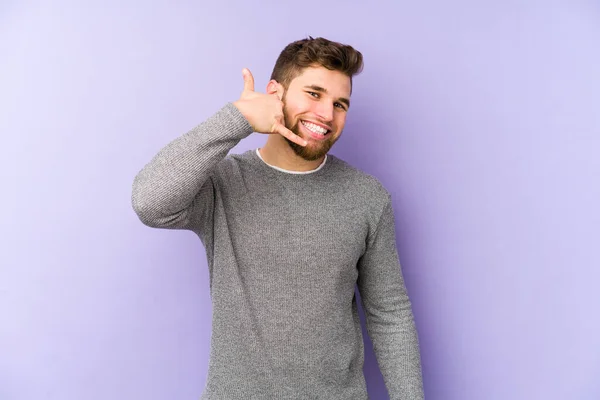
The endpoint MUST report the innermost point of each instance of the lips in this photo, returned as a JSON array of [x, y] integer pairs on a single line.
[[314, 130], [314, 126], [313, 135]]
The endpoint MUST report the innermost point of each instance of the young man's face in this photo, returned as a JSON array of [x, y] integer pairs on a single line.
[[316, 101]]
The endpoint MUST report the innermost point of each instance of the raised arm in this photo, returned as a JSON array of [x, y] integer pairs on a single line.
[[175, 190]]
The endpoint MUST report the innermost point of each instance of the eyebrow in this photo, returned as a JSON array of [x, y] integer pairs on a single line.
[[317, 88]]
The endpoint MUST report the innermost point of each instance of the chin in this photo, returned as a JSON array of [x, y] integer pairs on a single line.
[[314, 150], [310, 153]]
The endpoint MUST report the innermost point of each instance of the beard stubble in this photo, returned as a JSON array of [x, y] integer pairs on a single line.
[[314, 149]]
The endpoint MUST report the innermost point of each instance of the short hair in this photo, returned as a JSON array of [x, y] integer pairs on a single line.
[[316, 52]]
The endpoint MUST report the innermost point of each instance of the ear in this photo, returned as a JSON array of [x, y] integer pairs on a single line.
[[274, 87]]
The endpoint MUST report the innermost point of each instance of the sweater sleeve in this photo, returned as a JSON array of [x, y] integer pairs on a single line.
[[175, 190], [388, 313]]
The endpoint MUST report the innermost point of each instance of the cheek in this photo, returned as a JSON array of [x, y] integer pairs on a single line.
[[340, 121], [305, 106], [296, 107], [302, 102]]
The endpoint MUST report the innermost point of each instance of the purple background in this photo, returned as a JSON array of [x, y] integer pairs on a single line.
[[481, 118]]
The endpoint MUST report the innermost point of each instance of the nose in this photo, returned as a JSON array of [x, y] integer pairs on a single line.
[[325, 111]]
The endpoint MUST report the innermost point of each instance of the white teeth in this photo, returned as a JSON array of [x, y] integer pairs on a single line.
[[315, 128]]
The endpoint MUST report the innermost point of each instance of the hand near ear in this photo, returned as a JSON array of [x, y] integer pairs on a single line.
[[263, 111]]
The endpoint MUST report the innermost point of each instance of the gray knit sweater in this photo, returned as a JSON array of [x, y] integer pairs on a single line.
[[285, 251]]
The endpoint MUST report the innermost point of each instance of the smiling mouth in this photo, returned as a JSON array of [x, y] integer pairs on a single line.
[[316, 129]]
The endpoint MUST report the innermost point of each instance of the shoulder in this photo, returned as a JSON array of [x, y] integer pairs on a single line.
[[362, 183], [227, 175]]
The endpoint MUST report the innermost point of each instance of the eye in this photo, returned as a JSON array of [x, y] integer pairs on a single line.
[[313, 94], [339, 105]]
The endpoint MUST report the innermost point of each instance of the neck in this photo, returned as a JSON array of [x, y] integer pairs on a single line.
[[278, 153]]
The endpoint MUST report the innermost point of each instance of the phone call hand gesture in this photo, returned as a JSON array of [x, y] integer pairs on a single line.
[[264, 112]]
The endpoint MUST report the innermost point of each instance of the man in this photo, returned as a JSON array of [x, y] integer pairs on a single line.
[[288, 231]]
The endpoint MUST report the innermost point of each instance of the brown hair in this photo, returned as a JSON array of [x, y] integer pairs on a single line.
[[310, 52]]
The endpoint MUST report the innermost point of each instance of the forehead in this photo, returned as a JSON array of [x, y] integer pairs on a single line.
[[335, 82]]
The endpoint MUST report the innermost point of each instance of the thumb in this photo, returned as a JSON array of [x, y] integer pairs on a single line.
[[248, 80]]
